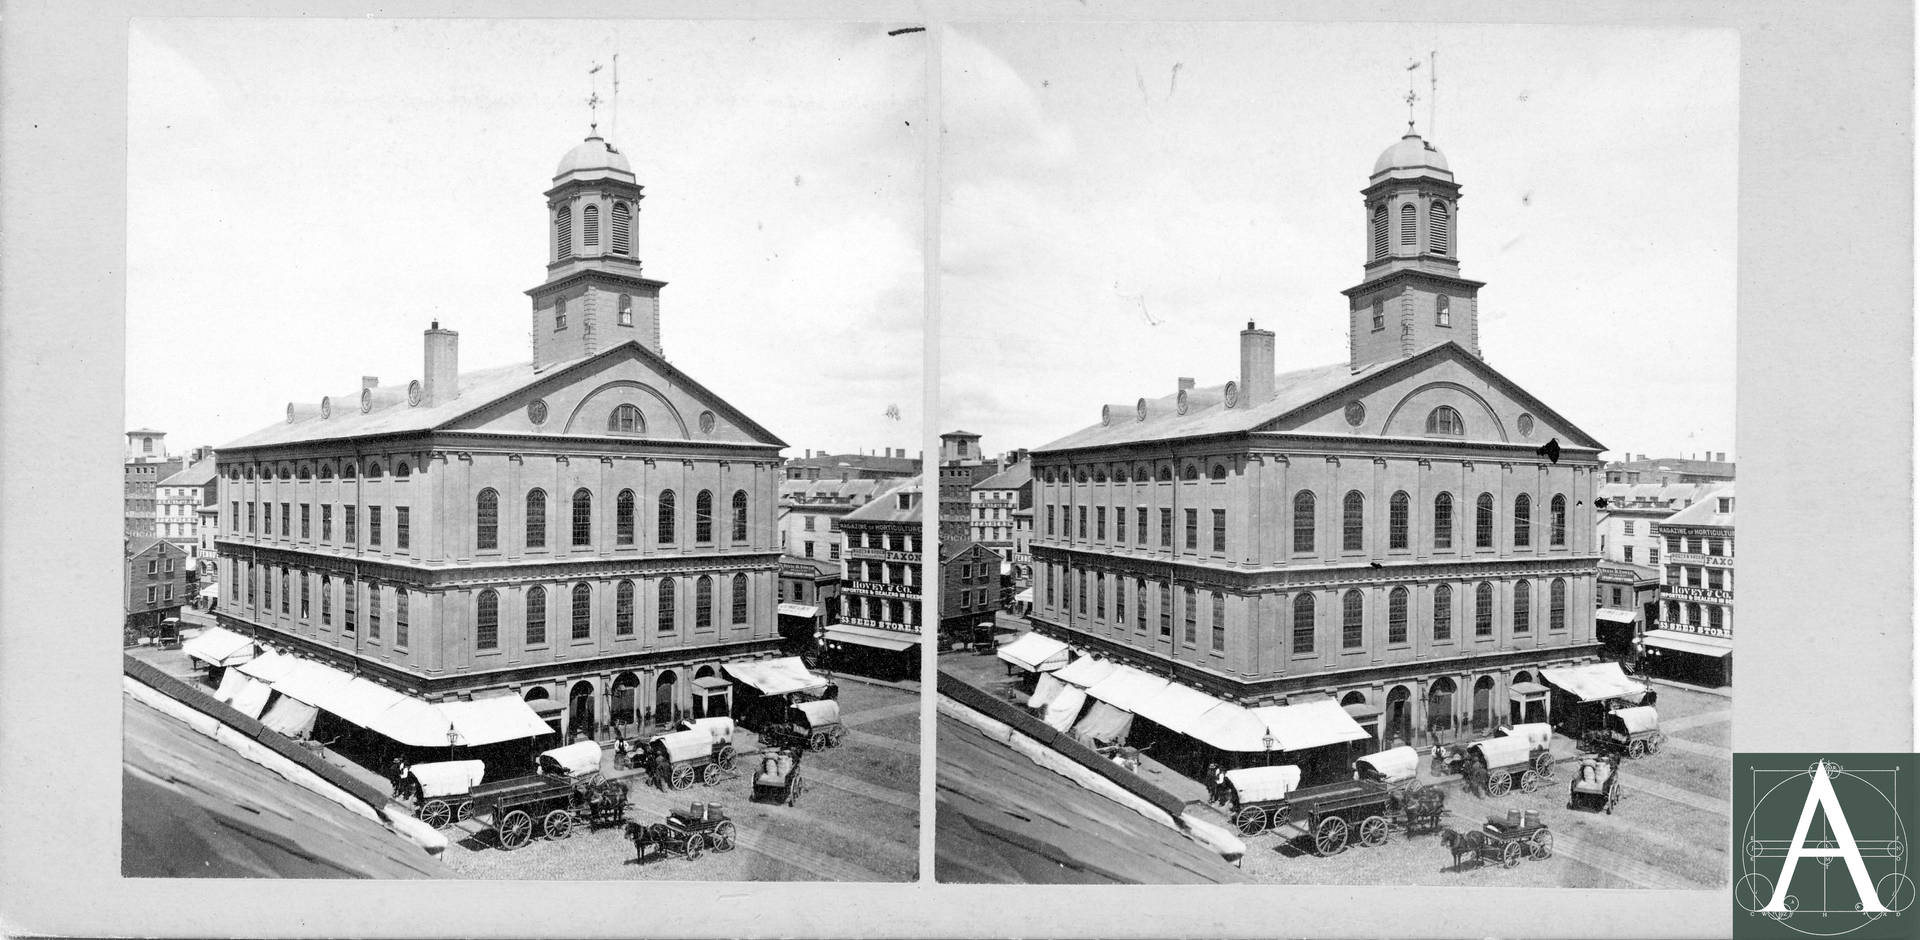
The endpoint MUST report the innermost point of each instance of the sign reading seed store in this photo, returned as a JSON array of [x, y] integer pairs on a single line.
[[1822, 847]]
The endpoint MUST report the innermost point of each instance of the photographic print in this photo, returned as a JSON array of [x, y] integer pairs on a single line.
[[474, 370], [1368, 391]]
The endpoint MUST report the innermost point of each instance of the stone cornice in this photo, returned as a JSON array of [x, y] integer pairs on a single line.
[[1263, 579], [432, 577]]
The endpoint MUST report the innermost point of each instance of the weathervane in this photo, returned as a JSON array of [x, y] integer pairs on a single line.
[[1412, 96], [593, 100]]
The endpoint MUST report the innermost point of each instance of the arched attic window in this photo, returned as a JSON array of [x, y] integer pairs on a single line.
[[626, 419], [1445, 420]]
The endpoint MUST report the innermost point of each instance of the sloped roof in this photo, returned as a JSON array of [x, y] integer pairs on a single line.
[[820, 489], [1704, 512], [199, 474], [887, 508], [1012, 478], [138, 545], [873, 462], [962, 548]]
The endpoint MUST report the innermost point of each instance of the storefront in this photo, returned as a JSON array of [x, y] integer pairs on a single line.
[[869, 651], [1696, 658]]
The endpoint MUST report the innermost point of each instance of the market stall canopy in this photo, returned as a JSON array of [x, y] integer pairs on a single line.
[[492, 720], [312, 683], [821, 713], [1616, 615], [1176, 707], [217, 646], [1394, 764], [270, 666], [1253, 784], [448, 777], [251, 699], [1087, 671], [1024, 597], [1045, 690], [583, 757], [1504, 752], [791, 609], [290, 717], [1537, 734], [1593, 682], [231, 682], [1123, 686], [1064, 708], [1637, 719], [1232, 727], [211, 591], [1035, 653], [413, 722], [362, 700], [894, 640], [776, 676], [1696, 643], [1309, 724], [1103, 723]]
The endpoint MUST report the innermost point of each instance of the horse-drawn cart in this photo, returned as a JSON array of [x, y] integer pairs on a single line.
[[1539, 737], [779, 778], [815, 725], [1417, 807], [1633, 731], [1597, 785], [1505, 841], [685, 834], [681, 757], [1508, 761], [568, 790], [1335, 812], [1258, 797], [440, 790]]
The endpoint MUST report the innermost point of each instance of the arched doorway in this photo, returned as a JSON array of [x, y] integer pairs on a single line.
[[1440, 708], [1399, 716], [580, 721], [1483, 704], [664, 696], [625, 706], [1367, 717], [543, 705]]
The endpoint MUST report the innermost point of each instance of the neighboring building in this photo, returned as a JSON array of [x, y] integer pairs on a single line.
[[809, 598], [208, 557], [590, 526], [146, 464], [969, 589], [1384, 531], [996, 499], [156, 581], [1624, 595], [1708, 468], [1693, 639], [811, 510], [179, 498], [880, 610], [893, 465], [961, 466], [1630, 566], [1023, 545]]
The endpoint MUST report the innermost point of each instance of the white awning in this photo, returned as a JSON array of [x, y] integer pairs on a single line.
[[231, 682], [218, 646], [1124, 686], [413, 722], [361, 701], [1087, 672], [1177, 707], [270, 666], [1035, 653], [1526, 691], [1064, 708], [790, 609], [251, 699], [290, 717], [311, 682], [1024, 597], [1045, 690], [1309, 724], [1616, 615], [1231, 727], [1698, 644], [776, 676], [1594, 682], [1103, 723], [211, 590], [894, 640], [491, 720]]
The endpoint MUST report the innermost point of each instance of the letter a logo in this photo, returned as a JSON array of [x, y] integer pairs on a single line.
[[1821, 795]]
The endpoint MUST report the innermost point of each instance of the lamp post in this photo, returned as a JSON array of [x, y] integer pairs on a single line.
[[453, 738]]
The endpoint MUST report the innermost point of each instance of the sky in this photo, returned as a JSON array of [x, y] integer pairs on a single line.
[[306, 196], [1119, 199]]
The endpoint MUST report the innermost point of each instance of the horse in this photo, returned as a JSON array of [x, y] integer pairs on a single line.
[[643, 835], [1465, 846]]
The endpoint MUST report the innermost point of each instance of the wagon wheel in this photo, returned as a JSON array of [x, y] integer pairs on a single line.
[[1543, 763], [1330, 837], [839, 734], [1637, 749], [1373, 831], [696, 843], [724, 757], [723, 837], [515, 829], [436, 813], [1282, 815], [464, 812], [558, 824], [1542, 844], [682, 778], [1499, 784], [1654, 741], [711, 775], [1251, 821], [820, 741], [1530, 781], [1613, 797], [793, 790], [1510, 855]]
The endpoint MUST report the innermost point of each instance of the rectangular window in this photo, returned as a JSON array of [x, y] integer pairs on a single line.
[[1140, 605], [1166, 610], [153, 568], [373, 610], [1083, 522], [286, 595], [1049, 577], [286, 520], [1099, 596], [1193, 529], [326, 600], [373, 526], [1166, 528], [1693, 576], [306, 520], [1219, 622], [1140, 525], [1080, 591], [833, 550], [1693, 544], [1653, 556], [1673, 544], [167, 592], [233, 516], [807, 548], [326, 523], [1626, 528], [1100, 523], [306, 592], [349, 608], [1442, 312], [1220, 530], [400, 617], [353, 526], [402, 527], [1120, 601], [1190, 625], [1626, 553], [806, 522], [1716, 546], [1050, 510], [1120, 524], [153, 593], [1714, 579]]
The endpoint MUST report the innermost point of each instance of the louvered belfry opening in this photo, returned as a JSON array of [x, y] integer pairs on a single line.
[[1380, 233], [590, 226], [1437, 233], [622, 229], [563, 232], [1408, 223]]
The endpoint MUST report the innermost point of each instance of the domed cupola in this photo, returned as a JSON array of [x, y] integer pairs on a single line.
[[594, 297], [593, 159], [1410, 157]]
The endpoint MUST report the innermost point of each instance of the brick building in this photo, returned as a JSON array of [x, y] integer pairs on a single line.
[[1693, 639], [156, 581]]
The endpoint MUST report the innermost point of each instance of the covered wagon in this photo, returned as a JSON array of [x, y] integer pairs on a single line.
[[441, 790]]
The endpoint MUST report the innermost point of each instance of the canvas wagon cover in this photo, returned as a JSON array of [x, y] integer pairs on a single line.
[[820, 714], [686, 745], [1638, 718], [1395, 764], [582, 757], [1537, 734], [719, 728], [1504, 752], [1254, 784], [448, 777]]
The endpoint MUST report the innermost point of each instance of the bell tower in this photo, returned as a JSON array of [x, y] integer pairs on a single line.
[[594, 297], [1411, 295]]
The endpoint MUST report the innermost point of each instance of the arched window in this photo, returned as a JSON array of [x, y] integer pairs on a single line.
[[486, 521], [1190, 473], [1522, 606], [1693, 614], [1397, 615], [1398, 509], [739, 599], [1557, 521], [1120, 474], [626, 310], [668, 622], [739, 516], [626, 419], [486, 618], [1440, 714], [563, 233], [1303, 623], [590, 226], [326, 472], [536, 615], [1437, 228], [536, 518], [559, 313], [1557, 604], [622, 229], [1522, 521], [306, 472], [1409, 224], [703, 602], [1673, 611], [401, 471], [1380, 232], [347, 470], [1443, 612], [623, 609], [1483, 521], [703, 516], [1353, 522], [1443, 521], [666, 515], [1219, 472], [1352, 626], [1303, 521], [582, 612], [1445, 420], [623, 518], [1483, 610], [1100, 474], [582, 518], [1100, 596]]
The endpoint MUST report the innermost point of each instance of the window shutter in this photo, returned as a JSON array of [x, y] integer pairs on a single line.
[[622, 229], [1437, 228], [590, 226]]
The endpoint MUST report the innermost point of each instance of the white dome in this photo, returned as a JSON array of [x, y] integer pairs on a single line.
[[1412, 153], [594, 157]]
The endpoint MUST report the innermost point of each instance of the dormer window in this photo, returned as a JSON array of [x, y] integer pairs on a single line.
[[905, 500], [1724, 504], [1445, 420]]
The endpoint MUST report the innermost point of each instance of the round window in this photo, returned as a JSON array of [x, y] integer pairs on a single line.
[[1233, 394], [1180, 403], [1356, 413], [326, 407], [706, 422], [1140, 410], [537, 411], [366, 400], [1526, 425]]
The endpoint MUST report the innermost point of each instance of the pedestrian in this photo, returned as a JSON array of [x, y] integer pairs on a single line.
[[1476, 778]]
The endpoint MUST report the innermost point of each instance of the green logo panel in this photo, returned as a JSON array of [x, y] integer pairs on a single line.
[[1821, 845]]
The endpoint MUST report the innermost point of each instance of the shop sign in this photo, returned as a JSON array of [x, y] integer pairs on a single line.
[[1694, 628], [894, 590], [1693, 558], [1712, 594]]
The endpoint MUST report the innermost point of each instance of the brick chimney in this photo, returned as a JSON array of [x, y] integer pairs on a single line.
[[1256, 366], [442, 379]]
